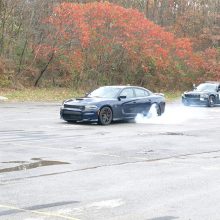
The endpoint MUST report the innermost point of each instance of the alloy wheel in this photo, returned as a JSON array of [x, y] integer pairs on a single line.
[[105, 116]]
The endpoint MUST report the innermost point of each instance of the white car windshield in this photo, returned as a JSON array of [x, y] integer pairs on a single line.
[[105, 92], [206, 87]]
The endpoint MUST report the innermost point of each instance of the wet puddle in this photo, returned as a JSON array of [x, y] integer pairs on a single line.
[[24, 165]]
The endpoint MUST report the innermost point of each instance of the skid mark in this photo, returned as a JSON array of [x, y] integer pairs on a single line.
[[39, 213], [27, 166]]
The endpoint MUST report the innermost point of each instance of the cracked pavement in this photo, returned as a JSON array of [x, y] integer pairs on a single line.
[[160, 169]]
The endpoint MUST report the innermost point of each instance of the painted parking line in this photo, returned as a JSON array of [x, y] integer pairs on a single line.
[[39, 213]]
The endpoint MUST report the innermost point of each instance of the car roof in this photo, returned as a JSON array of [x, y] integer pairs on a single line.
[[125, 86], [213, 82]]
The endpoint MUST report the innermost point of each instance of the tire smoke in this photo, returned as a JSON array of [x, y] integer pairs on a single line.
[[174, 114]]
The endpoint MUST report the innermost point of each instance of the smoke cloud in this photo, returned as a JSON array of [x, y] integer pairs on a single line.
[[174, 114]]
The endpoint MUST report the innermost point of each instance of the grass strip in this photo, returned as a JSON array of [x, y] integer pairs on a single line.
[[57, 94]]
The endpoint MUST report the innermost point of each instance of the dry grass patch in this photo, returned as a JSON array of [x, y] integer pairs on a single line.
[[39, 94]]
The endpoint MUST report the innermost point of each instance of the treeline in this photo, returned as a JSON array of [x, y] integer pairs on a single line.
[[89, 43]]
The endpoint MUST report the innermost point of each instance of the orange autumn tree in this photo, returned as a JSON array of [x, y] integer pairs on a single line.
[[103, 43]]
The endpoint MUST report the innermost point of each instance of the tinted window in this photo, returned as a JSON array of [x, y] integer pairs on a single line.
[[105, 92], [141, 93], [128, 93]]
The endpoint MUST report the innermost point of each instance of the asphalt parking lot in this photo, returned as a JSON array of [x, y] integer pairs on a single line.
[[156, 169]]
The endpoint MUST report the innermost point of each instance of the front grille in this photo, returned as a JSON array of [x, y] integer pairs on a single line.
[[74, 106], [72, 117], [69, 115], [192, 96]]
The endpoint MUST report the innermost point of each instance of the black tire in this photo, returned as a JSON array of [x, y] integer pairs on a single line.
[[155, 108], [158, 109], [211, 101], [105, 116], [185, 102]]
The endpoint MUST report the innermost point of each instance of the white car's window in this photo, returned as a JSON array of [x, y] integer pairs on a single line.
[[206, 87]]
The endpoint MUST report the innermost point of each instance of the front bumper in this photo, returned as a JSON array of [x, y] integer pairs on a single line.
[[78, 115], [194, 101]]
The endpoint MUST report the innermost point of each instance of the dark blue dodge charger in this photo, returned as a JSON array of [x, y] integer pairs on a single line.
[[111, 103]]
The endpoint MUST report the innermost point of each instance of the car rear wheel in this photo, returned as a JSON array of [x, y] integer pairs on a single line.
[[105, 116], [158, 110], [154, 111], [211, 101]]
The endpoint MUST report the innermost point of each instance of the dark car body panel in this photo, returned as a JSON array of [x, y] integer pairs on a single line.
[[122, 108], [202, 97]]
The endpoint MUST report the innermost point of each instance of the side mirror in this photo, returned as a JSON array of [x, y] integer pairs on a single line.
[[122, 97], [194, 86], [86, 94]]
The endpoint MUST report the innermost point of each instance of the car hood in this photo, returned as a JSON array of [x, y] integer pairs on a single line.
[[196, 92], [86, 101]]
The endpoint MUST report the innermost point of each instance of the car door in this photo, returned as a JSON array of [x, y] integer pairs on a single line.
[[143, 100], [128, 103]]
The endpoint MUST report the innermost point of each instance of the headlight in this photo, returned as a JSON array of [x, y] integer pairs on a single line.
[[90, 107], [62, 105], [184, 94], [67, 100], [204, 96]]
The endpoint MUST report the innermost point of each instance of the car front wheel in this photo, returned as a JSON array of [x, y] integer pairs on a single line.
[[185, 102], [211, 101], [105, 116]]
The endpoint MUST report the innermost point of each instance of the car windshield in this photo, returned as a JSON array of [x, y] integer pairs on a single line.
[[206, 87], [105, 92]]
